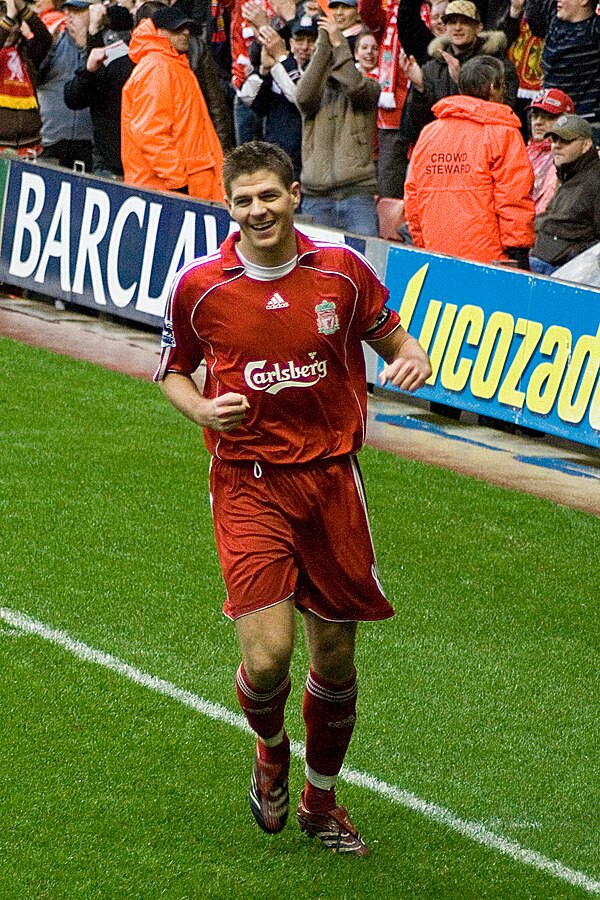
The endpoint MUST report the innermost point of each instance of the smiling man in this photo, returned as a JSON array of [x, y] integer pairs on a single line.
[[571, 222], [279, 321]]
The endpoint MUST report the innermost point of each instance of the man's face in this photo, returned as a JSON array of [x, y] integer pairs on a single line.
[[573, 10], [344, 16], [462, 32], [564, 152], [302, 46], [437, 11], [78, 21], [264, 209], [541, 123], [179, 40]]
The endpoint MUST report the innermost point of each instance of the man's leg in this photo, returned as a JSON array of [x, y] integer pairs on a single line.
[[329, 711], [263, 685]]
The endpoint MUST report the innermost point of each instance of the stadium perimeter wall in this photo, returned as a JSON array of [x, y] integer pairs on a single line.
[[503, 343]]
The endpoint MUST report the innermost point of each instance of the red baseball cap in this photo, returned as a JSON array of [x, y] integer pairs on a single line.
[[553, 101]]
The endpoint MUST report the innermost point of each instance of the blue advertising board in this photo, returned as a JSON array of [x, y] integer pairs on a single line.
[[99, 243], [503, 343]]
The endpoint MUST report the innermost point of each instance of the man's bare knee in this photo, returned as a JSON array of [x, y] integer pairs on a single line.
[[331, 648], [267, 641], [266, 666]]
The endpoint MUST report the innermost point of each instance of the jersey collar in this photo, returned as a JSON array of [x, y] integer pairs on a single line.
[[231, 260]]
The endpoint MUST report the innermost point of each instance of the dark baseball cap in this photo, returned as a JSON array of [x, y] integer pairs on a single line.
[[570, 128], [304, 25], [334, 3], [171, 18]]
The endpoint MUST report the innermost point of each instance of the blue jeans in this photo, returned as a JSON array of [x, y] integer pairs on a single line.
[[358, 215], [540, 267]]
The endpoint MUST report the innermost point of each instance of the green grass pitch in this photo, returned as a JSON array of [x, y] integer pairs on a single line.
[[480, 697]]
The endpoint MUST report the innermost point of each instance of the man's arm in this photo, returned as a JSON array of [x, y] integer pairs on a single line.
[[372, 14], [538, 14], [407, 365], [310, 88], [223, 413], [413, 33], [512, 184]]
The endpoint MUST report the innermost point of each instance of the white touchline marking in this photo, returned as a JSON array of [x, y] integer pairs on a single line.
[[472, 830]]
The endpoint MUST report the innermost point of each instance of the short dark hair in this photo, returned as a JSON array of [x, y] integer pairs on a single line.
[[147, 10], [479, 74], [254, 155]]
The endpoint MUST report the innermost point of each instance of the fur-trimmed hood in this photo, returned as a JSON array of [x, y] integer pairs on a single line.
[[489, 43]]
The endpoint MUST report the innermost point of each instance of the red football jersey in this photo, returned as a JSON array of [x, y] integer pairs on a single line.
[[292, 346]]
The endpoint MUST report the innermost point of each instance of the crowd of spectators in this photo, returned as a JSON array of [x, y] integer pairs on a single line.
[[368, 97]]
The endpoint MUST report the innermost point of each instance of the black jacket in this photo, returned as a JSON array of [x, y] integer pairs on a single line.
[[101, 92], [438, 82], [571, 222]]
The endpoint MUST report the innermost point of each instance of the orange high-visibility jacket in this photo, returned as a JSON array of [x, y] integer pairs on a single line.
[[168, 140], [468, 190]]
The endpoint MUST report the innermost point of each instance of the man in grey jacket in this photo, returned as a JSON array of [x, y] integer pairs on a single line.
[[339, 110], [66, 133]]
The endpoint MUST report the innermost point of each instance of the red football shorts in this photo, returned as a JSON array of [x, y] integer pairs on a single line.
[[296, 530]]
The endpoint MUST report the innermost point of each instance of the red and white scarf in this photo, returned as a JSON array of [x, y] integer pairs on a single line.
[[16, 89]]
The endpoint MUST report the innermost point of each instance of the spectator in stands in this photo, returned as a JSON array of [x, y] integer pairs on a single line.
[[415, 33], [246, 19], [339, 108], [97, 85], [392, 158], [20, 121], [66, 134], [464, 39], [271, 90], [54, 19], [571, 55], [468, 190], [214, 87], [543, 112], [168, 141], [436, 18], [571, 222], [366, 53], [346, 17]]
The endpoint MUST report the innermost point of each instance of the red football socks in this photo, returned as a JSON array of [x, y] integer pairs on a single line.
[[264, 710], [329, 712]]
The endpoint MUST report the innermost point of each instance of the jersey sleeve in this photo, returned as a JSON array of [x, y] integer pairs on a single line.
[[386, 322], [377, 320], [180, 348]]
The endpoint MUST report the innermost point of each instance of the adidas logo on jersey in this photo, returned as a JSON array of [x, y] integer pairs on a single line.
[[277, 302]]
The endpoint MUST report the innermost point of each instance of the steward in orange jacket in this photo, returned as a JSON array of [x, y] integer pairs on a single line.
[[168, 141], [468, 190]]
